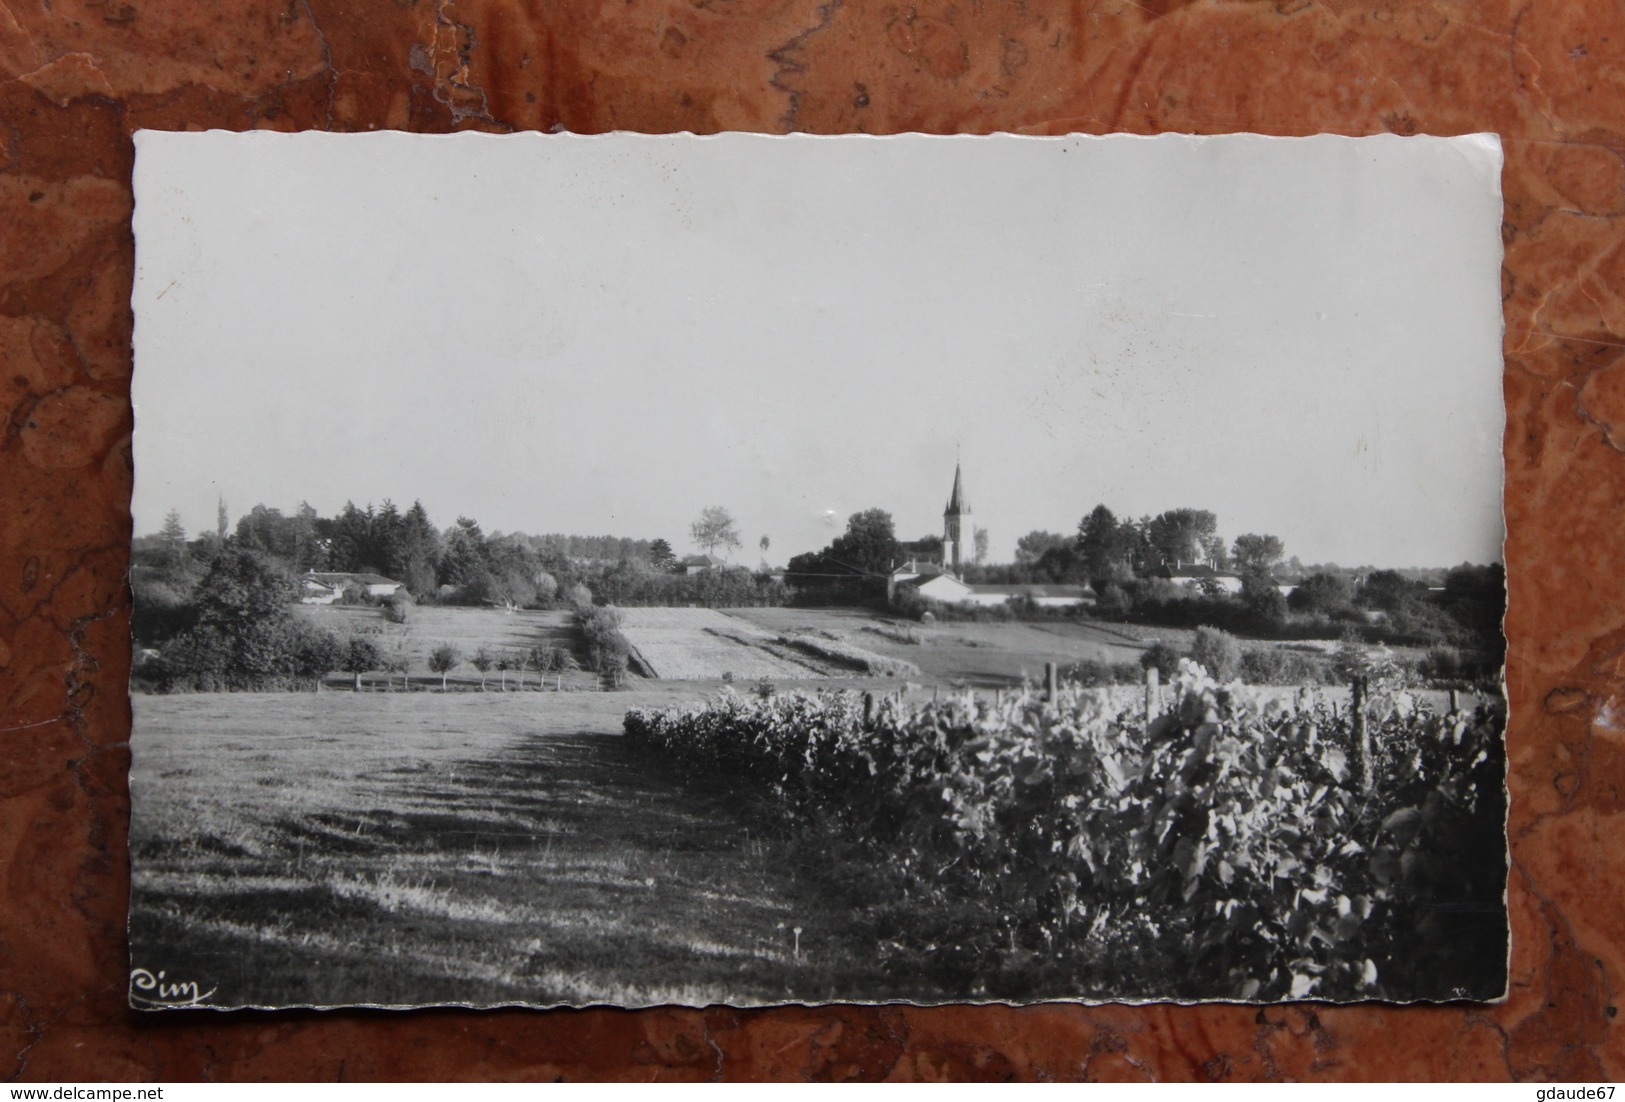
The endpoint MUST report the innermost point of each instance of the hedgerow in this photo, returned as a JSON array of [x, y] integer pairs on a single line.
[[1227, 848]]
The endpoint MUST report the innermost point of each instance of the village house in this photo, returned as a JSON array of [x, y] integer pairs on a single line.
[[328, 587], [950, 590], [700, 564]]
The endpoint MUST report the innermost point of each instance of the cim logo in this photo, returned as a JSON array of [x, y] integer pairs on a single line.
[[158, 990]]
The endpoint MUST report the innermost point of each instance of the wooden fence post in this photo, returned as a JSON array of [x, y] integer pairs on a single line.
[[1455, 700], [868, 710], [1050, 678], [1362, 733], [1153, 693]]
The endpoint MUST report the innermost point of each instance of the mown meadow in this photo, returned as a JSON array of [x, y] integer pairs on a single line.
[[395, 849]]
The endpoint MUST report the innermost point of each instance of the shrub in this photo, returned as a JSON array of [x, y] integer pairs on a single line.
[[1442, 663], [1092, 674], [1114, 601], [579, 598], [608, 650], [845, 654], [1162, 656], [397, 607], [1330, 594], [1217, 651], [161, 608]]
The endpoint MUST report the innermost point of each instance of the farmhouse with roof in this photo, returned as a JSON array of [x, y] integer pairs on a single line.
[[326, 587], [700, 564]]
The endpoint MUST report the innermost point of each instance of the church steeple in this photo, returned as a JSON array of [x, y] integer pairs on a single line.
[[956, 527], [956, 500]]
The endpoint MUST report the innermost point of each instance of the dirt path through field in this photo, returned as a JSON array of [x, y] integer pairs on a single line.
[[481, 848]]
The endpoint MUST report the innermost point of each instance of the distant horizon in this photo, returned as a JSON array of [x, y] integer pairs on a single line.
[[607, 335], [744, 556]]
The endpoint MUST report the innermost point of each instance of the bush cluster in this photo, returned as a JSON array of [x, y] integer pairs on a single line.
[[607, 649], [706, 589], [852, 657]]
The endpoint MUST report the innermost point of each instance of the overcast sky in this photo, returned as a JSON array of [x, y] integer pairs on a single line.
[[605, 335]]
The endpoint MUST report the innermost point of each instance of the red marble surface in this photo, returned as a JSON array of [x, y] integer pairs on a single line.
[[77, 77]]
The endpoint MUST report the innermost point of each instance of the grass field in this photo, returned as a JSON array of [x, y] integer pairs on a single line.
[[296, 849], [467, 629]]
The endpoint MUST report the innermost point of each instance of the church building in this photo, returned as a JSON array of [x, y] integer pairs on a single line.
[[939, 574], [957, 530]]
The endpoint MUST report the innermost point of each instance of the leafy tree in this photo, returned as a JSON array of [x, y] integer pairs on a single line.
[[1483, 583], [515, 570], [417, 552], [161, 607], [715, 528], [979, 541], [1062, 565], [1178, 534], [360, 655], [352, 540], [1262, 599], [1330, 594], [220, 517], [1255, 553], [1101, 542], [869, 545], [244, 587], [312, 651], [442, 660], [1031, 547], [464, 561], [1390, 590], [661, 556], [173, 535], [1213, 551]]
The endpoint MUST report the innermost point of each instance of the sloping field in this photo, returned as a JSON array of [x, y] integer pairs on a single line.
[[989, 655], [698, 644]]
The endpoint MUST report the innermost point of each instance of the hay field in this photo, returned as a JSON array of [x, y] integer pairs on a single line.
[[693, 644]]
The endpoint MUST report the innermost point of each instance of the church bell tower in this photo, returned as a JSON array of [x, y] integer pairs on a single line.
[[956, 529]]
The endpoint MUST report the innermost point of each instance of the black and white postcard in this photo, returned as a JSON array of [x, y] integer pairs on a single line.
[[647, 570]]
